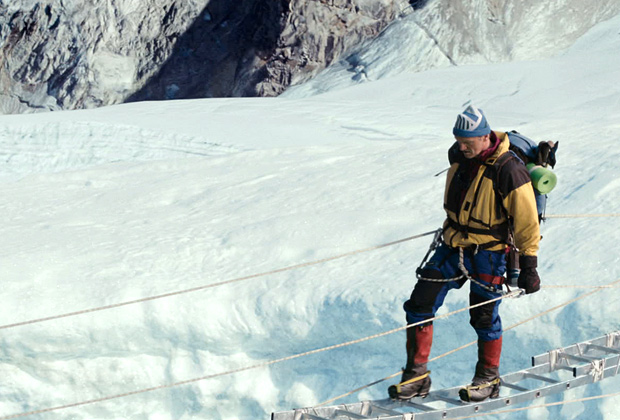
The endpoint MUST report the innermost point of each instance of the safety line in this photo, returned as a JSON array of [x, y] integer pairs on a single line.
[[208, 286], [295, 356], [256, 366], [513, 410], [292, 267], [598, 288], [241, 279], [580, 216], [578, 286]]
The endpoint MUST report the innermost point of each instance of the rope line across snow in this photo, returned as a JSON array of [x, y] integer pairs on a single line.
[[581, 216], [209, 286], [175, 384], [295, 356], [256, 366], [280, 270]]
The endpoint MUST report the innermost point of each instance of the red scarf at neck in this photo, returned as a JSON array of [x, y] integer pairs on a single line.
[[494, 145]]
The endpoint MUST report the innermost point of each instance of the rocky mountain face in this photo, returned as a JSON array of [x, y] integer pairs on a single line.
[[76, 54], [73, 54]]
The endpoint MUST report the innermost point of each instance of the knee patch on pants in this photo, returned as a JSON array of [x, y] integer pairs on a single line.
[[485, 319], [422, 303]]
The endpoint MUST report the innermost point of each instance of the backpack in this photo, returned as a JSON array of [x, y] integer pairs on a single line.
[[537, 158]]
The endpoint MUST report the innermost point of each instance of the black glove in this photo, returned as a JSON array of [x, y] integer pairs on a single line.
[[528, 277]]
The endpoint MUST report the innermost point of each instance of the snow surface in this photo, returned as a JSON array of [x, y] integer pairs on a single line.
[[125, 202]]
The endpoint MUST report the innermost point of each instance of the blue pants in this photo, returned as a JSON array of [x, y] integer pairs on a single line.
[[487, 267]]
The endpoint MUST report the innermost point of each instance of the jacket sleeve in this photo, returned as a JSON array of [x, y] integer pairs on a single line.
[[520, 204]]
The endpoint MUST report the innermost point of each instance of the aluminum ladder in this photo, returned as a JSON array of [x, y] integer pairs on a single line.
[[551, 373]]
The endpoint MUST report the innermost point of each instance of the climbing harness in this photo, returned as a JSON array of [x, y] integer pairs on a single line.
[[464, 272]]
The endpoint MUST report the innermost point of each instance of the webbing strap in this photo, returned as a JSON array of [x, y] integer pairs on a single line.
[[483, 385], [412, 380], [496, 280], [500, 232]]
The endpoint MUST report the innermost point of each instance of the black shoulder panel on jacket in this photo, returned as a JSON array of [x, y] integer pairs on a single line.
[[454, 154], [512, 175]]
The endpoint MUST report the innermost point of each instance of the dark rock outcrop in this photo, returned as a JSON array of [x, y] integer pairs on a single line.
[[84, 54]]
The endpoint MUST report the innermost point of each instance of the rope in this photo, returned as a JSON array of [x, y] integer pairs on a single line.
[[195, 289], [578, 286], [292, 267], [208, 286], [175, 384], [469, 277], [256, 366], [598, 288], [579, 216]]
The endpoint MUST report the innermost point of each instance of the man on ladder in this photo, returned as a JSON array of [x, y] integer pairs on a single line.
[[490, 206]]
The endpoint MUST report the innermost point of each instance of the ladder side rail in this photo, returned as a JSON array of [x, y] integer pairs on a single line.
[[505, 401], [314, 413], [574, 349]]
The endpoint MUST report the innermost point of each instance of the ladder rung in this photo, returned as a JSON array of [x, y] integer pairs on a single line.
[[540, 378], [513, 386], [419, 406], [449, 400], [349, 414], [384, 410], [309, 416], [582, 358], [605, 349]]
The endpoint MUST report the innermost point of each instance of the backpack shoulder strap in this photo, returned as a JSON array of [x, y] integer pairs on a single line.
[[496, 169]]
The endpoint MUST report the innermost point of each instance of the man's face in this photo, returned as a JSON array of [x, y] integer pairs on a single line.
[[472, 146]]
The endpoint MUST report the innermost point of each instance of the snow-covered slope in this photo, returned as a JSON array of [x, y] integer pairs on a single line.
[[125, 202]]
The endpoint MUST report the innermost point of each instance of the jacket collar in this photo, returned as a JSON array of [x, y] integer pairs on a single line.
[[502, 147]]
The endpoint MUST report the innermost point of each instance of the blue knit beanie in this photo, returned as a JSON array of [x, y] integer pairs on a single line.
[[471, 123]]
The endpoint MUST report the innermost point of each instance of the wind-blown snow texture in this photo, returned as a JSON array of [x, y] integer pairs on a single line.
[[124, 202]]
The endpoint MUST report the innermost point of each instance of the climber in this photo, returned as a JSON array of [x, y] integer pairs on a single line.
[[490, 206]]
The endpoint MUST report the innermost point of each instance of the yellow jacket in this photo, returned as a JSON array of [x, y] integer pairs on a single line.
[[483, 215]]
